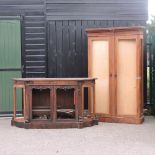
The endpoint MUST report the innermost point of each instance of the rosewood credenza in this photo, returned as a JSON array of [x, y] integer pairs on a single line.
[[54, 103]]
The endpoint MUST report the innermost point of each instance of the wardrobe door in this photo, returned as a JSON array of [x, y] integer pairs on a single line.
[[126, 73], [99, 56]]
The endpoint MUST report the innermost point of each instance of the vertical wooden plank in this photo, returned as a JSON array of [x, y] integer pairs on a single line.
[[59, 38], [78, 55], [72, 50], [84, 50], [66, 52], [52, 49]]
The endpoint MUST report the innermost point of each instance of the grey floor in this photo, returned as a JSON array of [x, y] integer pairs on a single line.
[[104, 139]]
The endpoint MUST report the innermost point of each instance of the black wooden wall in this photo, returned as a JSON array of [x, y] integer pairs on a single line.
[[96, 9], [54, 40], [32, 14], [67, 48], [67, 21]]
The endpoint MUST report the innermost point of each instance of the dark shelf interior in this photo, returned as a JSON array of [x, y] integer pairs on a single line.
[[41, 104], [65, 104]]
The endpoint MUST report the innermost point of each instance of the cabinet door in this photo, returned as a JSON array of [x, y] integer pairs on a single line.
[[126, 72], [99, 67]]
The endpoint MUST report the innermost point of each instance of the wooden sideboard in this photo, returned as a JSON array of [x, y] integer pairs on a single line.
[[54, 103]]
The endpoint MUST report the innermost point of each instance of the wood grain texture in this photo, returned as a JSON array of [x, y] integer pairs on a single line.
[[125, 73], [100, 50], [126, 77]]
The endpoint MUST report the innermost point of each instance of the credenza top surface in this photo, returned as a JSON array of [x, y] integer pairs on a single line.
[[54, 79]]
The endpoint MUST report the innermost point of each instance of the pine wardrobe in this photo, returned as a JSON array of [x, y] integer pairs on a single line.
[[115, 58]]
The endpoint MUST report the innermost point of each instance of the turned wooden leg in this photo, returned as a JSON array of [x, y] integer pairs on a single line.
[[14, 102], [76, 104], [24, 100], [93, 105], [82, 100], [54, 104]]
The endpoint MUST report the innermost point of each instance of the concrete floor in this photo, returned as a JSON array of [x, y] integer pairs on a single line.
[[104, 139]]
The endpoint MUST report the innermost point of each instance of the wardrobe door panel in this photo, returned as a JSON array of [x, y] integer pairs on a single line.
[[100, 70], [126, 77]]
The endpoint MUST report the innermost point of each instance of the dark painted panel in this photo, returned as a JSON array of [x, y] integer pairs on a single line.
[[66, 62], [78, 50], [59, 46], [84, 48], [69, 57], [52, 49], [72, 48], [35, 45]]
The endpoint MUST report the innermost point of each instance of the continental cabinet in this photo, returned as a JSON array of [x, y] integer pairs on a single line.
[[115, 58], [53, 103]]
